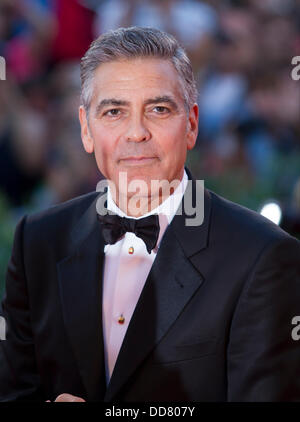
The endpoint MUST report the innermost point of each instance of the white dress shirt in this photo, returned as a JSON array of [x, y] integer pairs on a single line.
[[125, 274]]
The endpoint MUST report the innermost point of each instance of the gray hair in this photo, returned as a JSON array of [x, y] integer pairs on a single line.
[[134, 42]]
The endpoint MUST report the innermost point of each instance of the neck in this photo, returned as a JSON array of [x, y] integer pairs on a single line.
[[135, 205]]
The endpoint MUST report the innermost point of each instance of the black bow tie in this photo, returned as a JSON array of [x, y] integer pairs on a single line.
[[114, 227]]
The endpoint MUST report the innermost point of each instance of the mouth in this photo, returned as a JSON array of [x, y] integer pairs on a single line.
[[139, 160]]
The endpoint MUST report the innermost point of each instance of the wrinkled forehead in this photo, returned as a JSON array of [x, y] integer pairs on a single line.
[[136, 78]]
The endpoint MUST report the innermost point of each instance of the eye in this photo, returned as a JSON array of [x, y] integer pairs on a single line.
[[112, 112], [161, 109]]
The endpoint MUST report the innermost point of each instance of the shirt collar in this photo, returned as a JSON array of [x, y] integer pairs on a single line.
[[166, 210]]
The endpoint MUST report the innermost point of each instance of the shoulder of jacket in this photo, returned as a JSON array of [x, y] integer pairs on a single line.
[[240, 222], [64, 211]]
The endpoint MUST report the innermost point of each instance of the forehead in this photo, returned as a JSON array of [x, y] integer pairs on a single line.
[[137, 78]]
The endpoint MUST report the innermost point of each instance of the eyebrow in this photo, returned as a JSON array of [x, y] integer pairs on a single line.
[[162, 99], [156, 100], [110, 102]]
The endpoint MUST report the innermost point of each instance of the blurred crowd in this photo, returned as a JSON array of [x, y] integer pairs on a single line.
[[248, 147]]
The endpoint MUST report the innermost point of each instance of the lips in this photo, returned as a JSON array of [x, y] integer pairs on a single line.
[[138, 160]]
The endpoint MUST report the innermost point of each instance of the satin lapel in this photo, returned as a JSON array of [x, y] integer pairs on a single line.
[[80, 278], [172, 282]]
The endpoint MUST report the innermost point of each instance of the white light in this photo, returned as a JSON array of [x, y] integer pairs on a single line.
[[272, 211]]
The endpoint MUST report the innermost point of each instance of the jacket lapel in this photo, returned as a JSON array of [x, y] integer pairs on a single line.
[[173, 280], [80, 280]]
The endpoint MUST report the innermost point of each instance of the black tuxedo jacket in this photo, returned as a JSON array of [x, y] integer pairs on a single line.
[[213, 322]]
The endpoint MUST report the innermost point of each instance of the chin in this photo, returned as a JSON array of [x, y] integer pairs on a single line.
[[139, 173]]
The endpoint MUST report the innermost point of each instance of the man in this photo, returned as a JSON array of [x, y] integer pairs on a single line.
[[148, 307]]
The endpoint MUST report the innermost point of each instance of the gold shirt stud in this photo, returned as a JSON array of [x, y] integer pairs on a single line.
[[121, 319]]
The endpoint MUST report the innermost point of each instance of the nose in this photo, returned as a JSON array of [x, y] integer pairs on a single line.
[[137, 131]]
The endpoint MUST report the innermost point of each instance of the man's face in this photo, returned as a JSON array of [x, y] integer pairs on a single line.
[[137, 121]]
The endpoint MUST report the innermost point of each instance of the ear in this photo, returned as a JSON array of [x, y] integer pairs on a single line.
[[86, 137], [192, 126]]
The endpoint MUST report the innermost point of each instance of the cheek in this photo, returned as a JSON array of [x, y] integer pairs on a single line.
[[174, 142], [104, 145], [102, 155]]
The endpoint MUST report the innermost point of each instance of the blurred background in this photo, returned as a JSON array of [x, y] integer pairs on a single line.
[[248, 148]]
